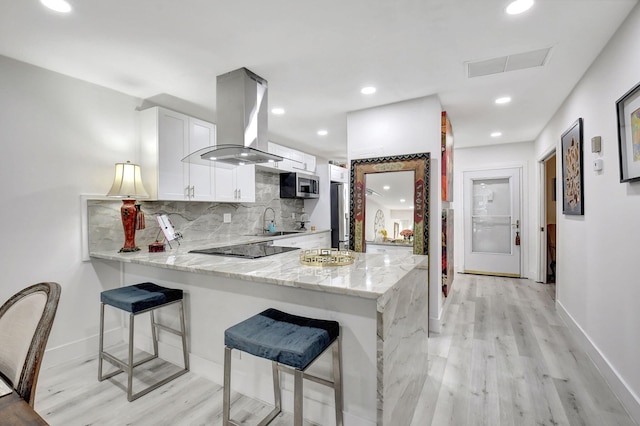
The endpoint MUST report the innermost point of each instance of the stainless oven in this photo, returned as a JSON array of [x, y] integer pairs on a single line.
[[299, 185]]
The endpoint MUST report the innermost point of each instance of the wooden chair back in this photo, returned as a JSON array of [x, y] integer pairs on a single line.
[[25, 323]]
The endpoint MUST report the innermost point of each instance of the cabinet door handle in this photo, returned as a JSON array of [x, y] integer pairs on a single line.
[[239, 194], [235, 194], [193, 191]]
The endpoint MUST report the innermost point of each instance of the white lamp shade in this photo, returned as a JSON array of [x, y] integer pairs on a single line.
[[127, 182]]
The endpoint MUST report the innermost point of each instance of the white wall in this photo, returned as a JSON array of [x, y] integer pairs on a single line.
[[60, 138], [407, 127], [495, 157], [597, 254]]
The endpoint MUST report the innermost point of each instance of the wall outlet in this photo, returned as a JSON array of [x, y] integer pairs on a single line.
[[226, 218]]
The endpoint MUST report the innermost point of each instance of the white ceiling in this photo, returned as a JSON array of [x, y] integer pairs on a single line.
[[317, 55]]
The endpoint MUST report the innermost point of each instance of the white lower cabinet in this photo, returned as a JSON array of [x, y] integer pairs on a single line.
[[306, 241], [235, 184]]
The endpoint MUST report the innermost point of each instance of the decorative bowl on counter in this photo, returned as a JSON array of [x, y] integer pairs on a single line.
[[327, 257]]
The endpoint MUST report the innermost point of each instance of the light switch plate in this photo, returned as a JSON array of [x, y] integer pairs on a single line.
[[226, 218], [598, 165]]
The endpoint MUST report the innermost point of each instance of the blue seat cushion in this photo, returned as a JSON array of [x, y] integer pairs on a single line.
[[139, 297], [278, 336]]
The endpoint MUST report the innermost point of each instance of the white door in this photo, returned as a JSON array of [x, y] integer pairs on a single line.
[[492, 228]]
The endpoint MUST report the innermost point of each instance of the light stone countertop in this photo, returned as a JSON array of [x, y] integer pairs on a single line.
[[371, 276]]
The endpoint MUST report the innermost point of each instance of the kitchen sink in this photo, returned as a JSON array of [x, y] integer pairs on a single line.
[[275, 234]]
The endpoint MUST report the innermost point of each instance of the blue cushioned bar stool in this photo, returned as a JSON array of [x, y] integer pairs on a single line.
[[138, 299], [292, 343]]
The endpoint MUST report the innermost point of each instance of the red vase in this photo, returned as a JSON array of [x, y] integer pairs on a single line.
[[128, 214]]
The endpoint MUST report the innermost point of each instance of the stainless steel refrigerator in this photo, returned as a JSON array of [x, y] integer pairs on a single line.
[[339, 215]]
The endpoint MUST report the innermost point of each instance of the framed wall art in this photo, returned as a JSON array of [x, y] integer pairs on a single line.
[[628, 109], [446, 169], [572, 171]]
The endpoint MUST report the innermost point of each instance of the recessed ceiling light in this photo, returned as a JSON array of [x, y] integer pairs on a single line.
[[519, 6], [503, 100], [369, 90], [496, 134], [57, 5], [402, 200], [323, 132], [278, 111], [244, 154], [387, 187], [213, 158]]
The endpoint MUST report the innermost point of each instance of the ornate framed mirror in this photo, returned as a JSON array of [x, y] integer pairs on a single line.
[[360, 168]]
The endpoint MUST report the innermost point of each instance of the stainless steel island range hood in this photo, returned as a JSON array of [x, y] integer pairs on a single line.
[[241, 128]]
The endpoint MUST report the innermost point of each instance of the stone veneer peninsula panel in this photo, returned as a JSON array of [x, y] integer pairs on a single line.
[[402, 347]]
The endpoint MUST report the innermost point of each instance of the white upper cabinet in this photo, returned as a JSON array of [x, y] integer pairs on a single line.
[[201, 135], [307, 162], [235, 184], [166, 138], [294, 160], [338, 174]]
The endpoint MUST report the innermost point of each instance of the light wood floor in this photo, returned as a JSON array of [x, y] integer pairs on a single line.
[[504, 357]]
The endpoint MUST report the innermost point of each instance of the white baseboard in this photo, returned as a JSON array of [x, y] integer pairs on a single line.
[[82, 348], [618, 385], [435, 324]]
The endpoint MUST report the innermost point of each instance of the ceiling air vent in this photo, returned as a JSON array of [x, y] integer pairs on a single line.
[[518, 61]]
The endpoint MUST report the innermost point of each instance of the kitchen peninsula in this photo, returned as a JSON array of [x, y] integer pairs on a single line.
[[380, 302]]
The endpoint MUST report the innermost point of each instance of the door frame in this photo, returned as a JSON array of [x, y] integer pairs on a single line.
[[542, 214], [524, 215]]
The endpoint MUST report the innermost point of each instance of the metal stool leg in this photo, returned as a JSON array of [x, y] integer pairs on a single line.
[[298, 375], [337, 380], [226, 397], [130, 366], [101, 348], [183, 328], [154, 334], [277, 393]]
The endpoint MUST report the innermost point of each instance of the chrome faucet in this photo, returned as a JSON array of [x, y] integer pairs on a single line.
[[265, 227]]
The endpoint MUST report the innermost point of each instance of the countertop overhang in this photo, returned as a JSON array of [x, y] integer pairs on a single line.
[[370, 276]]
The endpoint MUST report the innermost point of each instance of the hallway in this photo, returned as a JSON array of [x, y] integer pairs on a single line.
[[505, 357]]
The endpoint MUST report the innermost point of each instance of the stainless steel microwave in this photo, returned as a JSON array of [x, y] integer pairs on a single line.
[[299, 185]]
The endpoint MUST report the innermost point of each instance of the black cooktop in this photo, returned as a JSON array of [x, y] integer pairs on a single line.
[[247, 251]]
